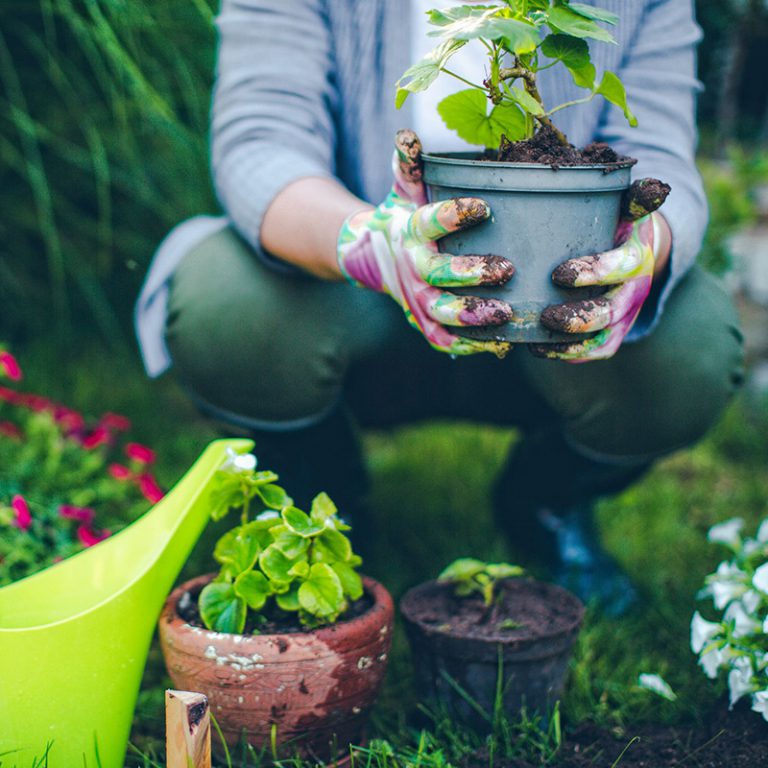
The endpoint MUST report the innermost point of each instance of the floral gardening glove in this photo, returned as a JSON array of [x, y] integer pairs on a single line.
[[629, 267], [391, 249]]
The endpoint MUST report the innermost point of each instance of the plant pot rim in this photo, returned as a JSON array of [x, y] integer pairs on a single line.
[[382, 603], [474, 158], [435, 631]]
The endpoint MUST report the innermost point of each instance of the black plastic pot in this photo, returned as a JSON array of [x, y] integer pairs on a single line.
[[540, 218], [467, 674]]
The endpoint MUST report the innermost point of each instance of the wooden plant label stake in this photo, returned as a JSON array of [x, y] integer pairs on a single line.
[[187, 730]]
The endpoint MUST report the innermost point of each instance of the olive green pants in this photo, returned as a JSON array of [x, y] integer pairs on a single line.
[[272, 352]]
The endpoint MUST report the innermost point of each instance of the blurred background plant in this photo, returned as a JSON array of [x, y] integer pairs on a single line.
[[103, 147]]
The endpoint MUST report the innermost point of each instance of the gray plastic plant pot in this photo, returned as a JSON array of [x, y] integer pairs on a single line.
[[471, 675], [540, 218]]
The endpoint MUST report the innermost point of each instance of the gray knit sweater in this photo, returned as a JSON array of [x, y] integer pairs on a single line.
[[306, 88]]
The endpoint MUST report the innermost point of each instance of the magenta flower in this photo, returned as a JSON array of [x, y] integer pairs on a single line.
[[140, 453], [95, 438], [68, 419], [81, 514], [9, 395], [36, 403], [115, 421], [21, 510], [149, 487], [9, 429], [10, 366], [119, 472], [88, 537]]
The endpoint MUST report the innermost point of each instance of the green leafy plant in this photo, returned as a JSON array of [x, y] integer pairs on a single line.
[[521, 38], [470, 576], [283, 561]]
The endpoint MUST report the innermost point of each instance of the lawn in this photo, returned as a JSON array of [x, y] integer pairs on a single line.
[[430, 503]]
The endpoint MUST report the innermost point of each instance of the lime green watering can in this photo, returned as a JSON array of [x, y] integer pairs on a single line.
[[74, 638]]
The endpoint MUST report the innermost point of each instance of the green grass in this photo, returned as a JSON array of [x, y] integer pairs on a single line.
[[430, 502]]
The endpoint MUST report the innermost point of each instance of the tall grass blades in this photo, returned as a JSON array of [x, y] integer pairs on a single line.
[[103, 147]]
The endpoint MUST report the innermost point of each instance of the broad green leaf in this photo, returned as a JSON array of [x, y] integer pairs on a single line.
[[265, 476], [276, 565], [462, 569], [227, 494], [224, 551], [289, 542], [466, 113], [246, 550], [221, 609], [562, 19], [503, 570], [591, 12], [613, 90], [524, 99], [440, 18], [350, 580], [330, 547], [290, 600], [321, 594], [574, 53], [300, 523], [254, 588], [422, 74], [300, 570], [274, 496], [519, 36], [322, 508]]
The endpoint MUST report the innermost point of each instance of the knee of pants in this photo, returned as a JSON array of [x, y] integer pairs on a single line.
[[661, 393], [267, 347]]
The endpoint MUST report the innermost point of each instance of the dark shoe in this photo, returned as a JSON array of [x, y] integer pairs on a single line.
[[581, 565]]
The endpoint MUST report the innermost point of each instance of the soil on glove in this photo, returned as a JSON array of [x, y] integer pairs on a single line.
[[523, 610], [277, 622], [737, 739], [544, 148]]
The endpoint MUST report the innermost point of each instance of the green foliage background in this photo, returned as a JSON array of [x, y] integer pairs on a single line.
[[103, 147]]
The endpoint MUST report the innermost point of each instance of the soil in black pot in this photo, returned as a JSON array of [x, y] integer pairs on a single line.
[[523, 610], [277, 622], [737, 739]]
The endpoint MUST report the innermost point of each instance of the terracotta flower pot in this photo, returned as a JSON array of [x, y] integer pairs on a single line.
[[457, 661], [315, 688]]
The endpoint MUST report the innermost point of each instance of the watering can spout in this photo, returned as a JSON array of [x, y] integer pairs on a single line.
[[74, 638]]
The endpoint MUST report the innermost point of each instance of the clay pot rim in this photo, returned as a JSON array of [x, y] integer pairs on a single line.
[[382, 601], [430, 629]]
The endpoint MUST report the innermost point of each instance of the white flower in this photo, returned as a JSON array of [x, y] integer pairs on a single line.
[[713, 659], [657, 684], [760, 703], [702, 631], [728, 583], [760, 579], [740, 679], [728, 533], [750, 599], [765, 625], [268, 514], [239, 463], [762, 532], [744, 623]]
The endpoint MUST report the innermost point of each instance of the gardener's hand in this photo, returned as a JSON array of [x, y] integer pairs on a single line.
[[391, 249], [642, 246]]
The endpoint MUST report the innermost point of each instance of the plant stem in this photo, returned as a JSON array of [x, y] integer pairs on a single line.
[[459, 77], [572, 103]]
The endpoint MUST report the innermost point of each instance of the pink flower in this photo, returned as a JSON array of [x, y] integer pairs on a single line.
[[10, 366], [119, 472], [140, 453], [149, 487], [9, 429], [9, 395], [21, 510], [115, 421], [69, 420], [82, 514], [88, 537], [36, 403], [95, 438]]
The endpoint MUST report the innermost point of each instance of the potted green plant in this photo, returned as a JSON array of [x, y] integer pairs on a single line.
[[288, 641], [550, 201], [484, 637]]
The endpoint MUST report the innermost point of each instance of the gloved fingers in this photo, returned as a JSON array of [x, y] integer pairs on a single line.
[[407, 168], [464, 346], [450, 309], [444, 270], [435, 220], [632, 258], [579, 316], [601, 346]]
